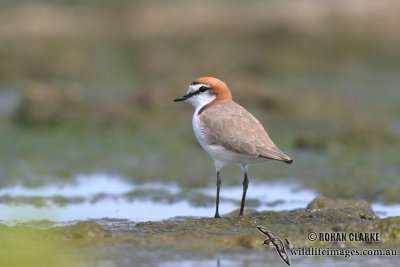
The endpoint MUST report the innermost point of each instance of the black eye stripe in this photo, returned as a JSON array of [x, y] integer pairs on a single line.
[[201, 90]]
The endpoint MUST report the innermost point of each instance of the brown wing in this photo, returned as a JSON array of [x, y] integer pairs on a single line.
[[239, 131]]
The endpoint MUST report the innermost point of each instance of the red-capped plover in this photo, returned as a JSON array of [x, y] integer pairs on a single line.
[[227, 131]]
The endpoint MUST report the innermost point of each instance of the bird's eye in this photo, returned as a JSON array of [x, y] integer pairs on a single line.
[[203, 89]]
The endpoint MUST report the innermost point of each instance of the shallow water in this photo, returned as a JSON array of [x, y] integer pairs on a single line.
[[105, 196]]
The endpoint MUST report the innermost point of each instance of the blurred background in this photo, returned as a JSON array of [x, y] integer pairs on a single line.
[[87, 87]]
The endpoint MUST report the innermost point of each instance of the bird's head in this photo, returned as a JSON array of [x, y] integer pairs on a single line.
[[205, 90]]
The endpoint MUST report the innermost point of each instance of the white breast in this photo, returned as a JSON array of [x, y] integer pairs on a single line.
[[199, 132]]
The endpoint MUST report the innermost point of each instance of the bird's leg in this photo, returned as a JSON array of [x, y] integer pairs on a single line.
[[217, 200], [245, 185]]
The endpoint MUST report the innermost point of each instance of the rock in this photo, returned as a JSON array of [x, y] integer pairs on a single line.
[[235, 213], [362, 207], [324, 203], [84, 230], [388, 229]]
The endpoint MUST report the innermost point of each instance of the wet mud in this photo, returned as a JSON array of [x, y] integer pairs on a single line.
[[124, 242]]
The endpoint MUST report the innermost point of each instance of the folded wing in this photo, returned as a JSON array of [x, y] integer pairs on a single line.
[[239, 131]]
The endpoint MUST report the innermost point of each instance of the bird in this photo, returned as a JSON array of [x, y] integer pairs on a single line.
[[227, 131], [274, 240]]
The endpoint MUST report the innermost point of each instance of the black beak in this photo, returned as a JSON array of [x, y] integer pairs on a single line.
[[182, 98]]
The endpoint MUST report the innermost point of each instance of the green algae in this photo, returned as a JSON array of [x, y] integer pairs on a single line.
[[140, 156], [240, 232], [27, 246], [202, 238]]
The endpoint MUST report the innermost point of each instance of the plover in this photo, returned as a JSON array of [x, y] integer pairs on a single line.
[[227, 131]]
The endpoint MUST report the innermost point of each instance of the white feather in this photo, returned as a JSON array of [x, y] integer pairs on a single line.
[[201, 99]]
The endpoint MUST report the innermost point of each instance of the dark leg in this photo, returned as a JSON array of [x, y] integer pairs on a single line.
[[217, 201], [245, 185]]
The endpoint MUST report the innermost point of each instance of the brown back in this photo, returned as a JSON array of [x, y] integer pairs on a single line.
[[239, 131]]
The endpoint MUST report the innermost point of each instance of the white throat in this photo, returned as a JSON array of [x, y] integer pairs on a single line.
[[200, 100]]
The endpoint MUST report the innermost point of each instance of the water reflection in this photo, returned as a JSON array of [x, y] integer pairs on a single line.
[[104, 196]]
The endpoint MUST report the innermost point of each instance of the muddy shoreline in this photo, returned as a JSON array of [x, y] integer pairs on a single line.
[[145, 243]]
